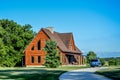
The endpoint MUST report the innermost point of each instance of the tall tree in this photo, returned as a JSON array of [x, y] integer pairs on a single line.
[[91, 55], [14, 38], [2, 53], [52, 59]]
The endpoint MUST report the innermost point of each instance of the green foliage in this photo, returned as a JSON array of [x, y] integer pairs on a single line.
[[2, 52], [52, 57], [114, 61], [102, 60], [35, 73], [91, 55], [117, 61], [13, 40], [111, 62], [111, 72]]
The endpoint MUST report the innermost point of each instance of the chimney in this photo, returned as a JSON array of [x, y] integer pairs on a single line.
[[51, 29]]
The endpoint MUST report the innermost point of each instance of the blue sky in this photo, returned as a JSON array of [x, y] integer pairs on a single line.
[[95, 24]]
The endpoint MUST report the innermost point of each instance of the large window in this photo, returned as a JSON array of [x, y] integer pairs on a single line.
[[32, 59], [39, 45], [39, 59], [32, 48]]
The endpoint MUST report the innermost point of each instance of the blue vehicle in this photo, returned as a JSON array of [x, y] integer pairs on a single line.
[[95, 63]]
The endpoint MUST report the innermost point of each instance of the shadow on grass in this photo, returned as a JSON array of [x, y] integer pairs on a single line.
[[82, 75], [31, 74], [111, 73]]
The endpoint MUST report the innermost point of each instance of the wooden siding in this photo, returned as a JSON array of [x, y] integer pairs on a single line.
[[32, 50], [35, 53]]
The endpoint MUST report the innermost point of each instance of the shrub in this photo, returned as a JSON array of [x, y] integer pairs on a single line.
[[52, 59], [102, 60], [111, 62]]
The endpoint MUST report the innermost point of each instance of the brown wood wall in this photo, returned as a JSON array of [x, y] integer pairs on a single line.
[[35, 53]]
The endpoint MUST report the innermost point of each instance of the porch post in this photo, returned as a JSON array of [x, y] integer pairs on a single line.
[[81, 59]]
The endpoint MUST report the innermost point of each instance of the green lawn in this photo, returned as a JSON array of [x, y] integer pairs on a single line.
[[35, 73], [111, 72]]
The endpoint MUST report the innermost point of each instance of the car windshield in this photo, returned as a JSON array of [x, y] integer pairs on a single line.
[[94, 60]]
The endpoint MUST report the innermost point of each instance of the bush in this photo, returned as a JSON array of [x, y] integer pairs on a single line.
[[111, 62], [102, 60], [117, 62]]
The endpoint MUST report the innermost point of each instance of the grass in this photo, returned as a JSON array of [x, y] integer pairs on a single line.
[[111, 72], [36, 73]]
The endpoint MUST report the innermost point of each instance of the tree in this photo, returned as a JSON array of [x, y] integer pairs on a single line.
[[2, 53], [52, 59], [102, 60], [91, 55], [13, 40]]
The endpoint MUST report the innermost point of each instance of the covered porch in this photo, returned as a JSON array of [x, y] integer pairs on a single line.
[[72, 59]]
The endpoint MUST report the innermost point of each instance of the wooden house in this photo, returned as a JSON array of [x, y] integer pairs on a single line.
[[70, 54]]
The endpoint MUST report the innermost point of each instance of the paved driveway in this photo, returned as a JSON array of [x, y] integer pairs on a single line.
[[83, 74]]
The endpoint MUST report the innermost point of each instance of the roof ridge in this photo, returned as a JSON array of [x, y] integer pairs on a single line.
[[59, 38], [66, 33], [56, 38]]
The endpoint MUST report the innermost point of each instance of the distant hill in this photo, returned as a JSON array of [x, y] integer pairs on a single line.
[[107, 54], [111, 58]]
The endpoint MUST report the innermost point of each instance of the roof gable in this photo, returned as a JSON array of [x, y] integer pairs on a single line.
[[36, 39], [54, 36], [62, 39]]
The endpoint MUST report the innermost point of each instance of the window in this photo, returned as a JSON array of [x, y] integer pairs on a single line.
[[39, 59], [32, 59], [32, 48], [39, 45]]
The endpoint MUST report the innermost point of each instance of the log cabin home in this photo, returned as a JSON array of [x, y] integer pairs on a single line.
[[34, 55]]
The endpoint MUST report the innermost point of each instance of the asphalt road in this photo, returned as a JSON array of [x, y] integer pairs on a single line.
[[83, 74]]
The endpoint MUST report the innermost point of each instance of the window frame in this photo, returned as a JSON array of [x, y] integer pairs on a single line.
[[39, 59], [39, 45], [32, 59]]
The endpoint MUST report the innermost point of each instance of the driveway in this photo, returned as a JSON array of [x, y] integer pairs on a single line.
[[83, 74]]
